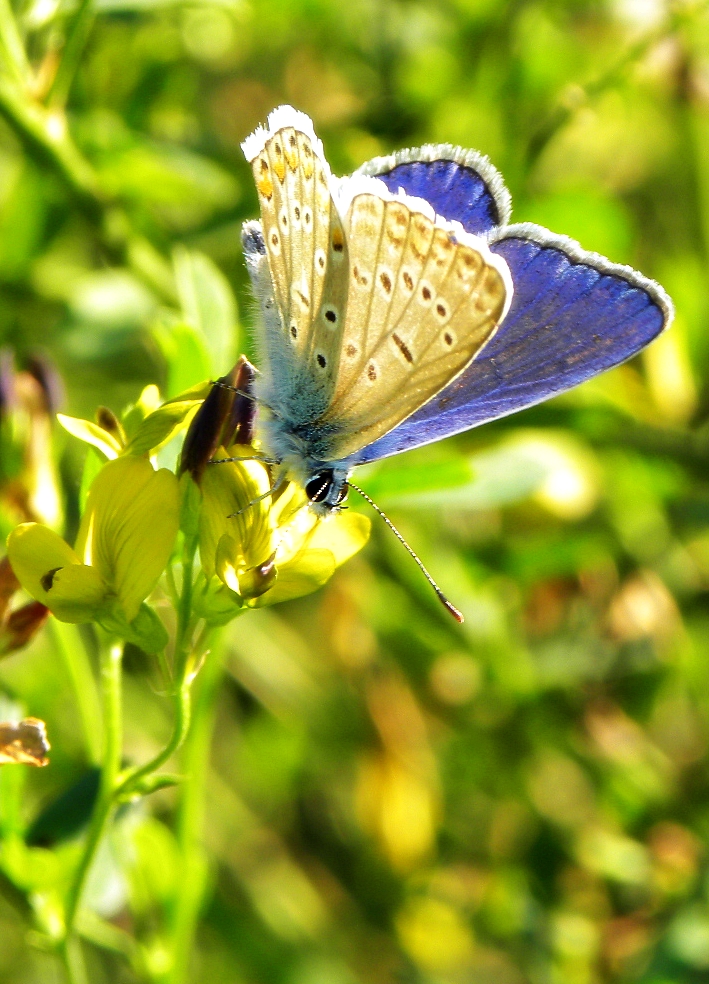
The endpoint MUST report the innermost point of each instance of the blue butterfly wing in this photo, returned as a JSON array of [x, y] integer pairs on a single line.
[[574, 314], [459, 184]]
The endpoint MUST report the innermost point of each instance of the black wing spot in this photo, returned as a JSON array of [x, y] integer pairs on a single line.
[[403, 347], [331, 315], [372, 372], [321, 360]]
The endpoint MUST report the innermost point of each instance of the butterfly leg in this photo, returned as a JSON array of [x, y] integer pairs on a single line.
[[248, 457], [259, 498]]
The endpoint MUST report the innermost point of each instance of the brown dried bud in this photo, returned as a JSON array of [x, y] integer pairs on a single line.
[[24, 743], [21, 626], [8, 586], [109, 421]]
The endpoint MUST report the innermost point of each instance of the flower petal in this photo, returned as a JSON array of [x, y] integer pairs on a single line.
[[307, 572], [129, 527], [34, 550], [87, 430], [227, 488], [343, 535], [76, 593]]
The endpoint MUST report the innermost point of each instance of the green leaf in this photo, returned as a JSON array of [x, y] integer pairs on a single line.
[[208, 305], [147, 631], [151, 784], [185, 352], [501, 476], [160, 426], [134, 415], [179, 186], [214, 601], [22, 215]]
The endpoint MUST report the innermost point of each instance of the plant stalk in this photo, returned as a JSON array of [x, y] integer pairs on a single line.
[[190, 824], [111, 657], [12, 51]]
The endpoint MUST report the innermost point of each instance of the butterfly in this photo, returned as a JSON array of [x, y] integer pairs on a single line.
[[399, 306]]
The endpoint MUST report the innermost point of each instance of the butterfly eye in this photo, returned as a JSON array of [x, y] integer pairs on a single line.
[[318, 486]]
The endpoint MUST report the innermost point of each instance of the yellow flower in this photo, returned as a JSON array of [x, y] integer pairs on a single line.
[[125, 540], [263, 552]]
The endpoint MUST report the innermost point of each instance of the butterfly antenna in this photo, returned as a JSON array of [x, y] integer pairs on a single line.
[[458, 616], [244, 393]]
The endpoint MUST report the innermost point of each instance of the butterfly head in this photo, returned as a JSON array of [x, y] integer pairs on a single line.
[[326, 490]]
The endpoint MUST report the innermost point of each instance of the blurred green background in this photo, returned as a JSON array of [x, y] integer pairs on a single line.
[[388, 797]]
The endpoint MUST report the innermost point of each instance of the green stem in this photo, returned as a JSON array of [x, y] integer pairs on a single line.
[[12, 50], [45, 137], [131, 779], [109, 937], [68, 642], [183, 681], [74, 962], [77, 36], [190, 824], [111, 656], [184, 617]]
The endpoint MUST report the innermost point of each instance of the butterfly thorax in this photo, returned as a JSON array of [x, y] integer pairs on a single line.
[[298, 450]]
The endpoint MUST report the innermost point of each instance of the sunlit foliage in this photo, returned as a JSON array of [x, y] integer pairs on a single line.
[[369, 792]]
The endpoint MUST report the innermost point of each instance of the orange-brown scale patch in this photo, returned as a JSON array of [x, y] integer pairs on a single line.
[[264, 186], [338, 240]]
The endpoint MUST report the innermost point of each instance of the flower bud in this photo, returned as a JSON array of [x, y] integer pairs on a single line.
[[225, 418], [106, 419], [21, 625]]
